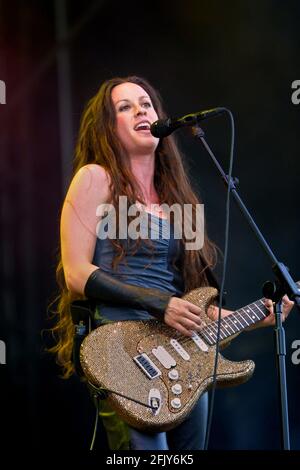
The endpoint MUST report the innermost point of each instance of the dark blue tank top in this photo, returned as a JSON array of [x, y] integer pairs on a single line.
[[154, 264]]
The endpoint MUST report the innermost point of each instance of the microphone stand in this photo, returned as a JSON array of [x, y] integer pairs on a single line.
[[285, 283]]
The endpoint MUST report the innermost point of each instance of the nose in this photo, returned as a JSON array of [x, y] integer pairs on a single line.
[[139, 111]]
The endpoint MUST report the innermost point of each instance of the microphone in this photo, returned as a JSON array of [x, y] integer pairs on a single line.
[[164, 127]]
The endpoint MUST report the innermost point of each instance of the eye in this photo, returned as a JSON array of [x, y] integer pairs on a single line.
[[147, 104], [124, 107]]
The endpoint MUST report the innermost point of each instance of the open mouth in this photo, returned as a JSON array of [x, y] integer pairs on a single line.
[[142, 126]]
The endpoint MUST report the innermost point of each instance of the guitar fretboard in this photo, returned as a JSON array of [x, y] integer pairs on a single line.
[[235, 322]]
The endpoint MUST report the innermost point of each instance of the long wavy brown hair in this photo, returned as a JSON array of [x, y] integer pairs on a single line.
[[97, 143]]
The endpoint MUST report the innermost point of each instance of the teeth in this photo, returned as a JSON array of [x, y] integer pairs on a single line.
[[143, 124]]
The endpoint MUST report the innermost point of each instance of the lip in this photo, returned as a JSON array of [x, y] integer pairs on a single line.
[[141, 122]]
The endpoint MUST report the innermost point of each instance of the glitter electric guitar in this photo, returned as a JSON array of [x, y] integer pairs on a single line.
[[148, 363]]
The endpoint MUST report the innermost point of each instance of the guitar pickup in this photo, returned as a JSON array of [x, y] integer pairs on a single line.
[[179, 348], [199, 342], [164, 357], [147, 366]]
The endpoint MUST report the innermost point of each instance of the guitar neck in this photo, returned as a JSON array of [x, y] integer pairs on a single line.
[[235, 322]]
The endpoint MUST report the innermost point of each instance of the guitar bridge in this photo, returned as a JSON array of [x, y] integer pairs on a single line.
[[147, 366]]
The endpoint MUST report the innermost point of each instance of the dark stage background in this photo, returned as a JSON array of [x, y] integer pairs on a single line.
[[199, 54]]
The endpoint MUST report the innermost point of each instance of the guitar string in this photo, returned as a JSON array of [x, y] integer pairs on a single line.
[[225, 320], [206, 329], [184, 340]]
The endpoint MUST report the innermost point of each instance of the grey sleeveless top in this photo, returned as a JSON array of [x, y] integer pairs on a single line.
[[154, 264]]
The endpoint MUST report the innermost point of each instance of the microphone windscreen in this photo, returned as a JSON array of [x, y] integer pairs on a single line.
[[161, 128]]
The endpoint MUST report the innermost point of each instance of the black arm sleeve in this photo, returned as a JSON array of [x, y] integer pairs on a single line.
[[102, 286]]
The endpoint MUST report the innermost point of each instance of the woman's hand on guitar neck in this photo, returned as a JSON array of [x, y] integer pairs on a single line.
[[183, 316], [213, 312], [287, 306]]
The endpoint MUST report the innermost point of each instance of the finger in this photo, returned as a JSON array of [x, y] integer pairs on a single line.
[[190, 325], [194, 318], [193, 308], [268, 303], [287, 302], [286, 309], [183, 330]]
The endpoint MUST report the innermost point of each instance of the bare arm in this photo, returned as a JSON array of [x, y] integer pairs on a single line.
[[88, 189]]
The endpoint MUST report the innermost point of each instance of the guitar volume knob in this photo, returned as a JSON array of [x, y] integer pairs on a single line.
[[173, 374], [177, 389], [176, 403]]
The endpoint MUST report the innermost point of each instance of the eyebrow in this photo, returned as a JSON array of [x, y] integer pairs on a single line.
[[124, 99]]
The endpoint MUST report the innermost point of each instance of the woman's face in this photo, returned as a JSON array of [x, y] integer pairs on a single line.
[[134, 115]]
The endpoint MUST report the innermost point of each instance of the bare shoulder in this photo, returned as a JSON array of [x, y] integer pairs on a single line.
[[91, 180], [93, 173]]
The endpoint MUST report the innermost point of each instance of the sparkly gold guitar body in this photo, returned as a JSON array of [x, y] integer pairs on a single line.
[[152, 363]]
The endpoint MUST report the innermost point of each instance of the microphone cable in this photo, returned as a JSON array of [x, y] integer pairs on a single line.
[[226, 242]]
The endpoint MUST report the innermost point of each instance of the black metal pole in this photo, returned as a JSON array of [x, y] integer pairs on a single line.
[[286, 282], [279, 336]]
